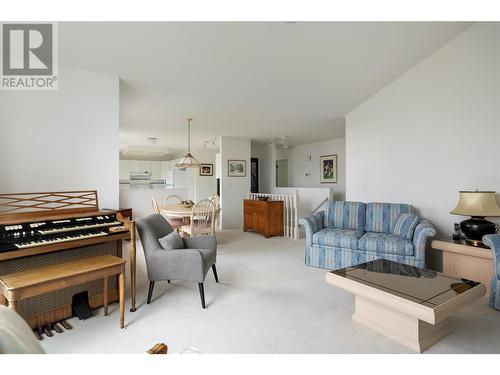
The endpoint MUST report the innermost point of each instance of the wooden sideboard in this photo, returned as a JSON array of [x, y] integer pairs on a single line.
[[264, 217]]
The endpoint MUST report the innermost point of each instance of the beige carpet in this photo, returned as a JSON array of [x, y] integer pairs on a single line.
[[268, 301]]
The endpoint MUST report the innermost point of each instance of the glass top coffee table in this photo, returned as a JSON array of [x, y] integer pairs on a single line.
[[411, 305]]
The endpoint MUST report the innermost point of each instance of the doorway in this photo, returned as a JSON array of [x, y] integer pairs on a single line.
[[254, 175], [282, 173]]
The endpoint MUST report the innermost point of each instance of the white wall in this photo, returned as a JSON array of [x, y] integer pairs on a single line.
[[233, 189], [65, 139], [432, 132], [205, 186], [299, 164]]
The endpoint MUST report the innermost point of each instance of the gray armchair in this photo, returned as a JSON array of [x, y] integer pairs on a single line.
[[189, 264]]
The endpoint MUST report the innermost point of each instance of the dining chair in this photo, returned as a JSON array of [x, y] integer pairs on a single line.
[[172, 200], [201, 220], [216, 201], [156, 208], [174, 222]]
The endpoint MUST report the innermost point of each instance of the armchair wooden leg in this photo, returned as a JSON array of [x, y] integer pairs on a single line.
[[202, 295], [150, 293], [214, 270]]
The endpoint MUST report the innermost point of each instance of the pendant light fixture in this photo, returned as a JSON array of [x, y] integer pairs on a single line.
[[188, 161]]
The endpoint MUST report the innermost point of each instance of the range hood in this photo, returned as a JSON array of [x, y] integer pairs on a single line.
[[140, 176]]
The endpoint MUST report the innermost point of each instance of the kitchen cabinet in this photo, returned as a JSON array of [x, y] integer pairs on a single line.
[[163, 169], [124, 169], [135, 166], [155, 170], [145, 166]]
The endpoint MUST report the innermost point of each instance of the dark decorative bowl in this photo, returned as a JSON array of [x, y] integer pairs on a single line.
[[263, 198]]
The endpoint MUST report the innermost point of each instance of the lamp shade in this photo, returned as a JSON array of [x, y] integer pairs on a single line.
[[188, 161], [477, 203]]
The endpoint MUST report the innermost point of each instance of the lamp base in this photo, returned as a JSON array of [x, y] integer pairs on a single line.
[[476, 227]]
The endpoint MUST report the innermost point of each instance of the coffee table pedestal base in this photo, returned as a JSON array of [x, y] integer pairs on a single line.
[[401, 327]]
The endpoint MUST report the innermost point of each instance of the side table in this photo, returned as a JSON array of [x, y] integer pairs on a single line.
[[463, 260]]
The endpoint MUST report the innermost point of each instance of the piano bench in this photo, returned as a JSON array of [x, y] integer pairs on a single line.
[[19, 285]]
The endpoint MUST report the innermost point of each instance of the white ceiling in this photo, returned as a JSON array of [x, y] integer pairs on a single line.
[[257, 79]]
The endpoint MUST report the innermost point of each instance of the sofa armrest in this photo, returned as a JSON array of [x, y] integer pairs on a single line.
[[493, 242], [312, 224], [423, 231]]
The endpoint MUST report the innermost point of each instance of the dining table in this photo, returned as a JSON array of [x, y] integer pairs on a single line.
[[181, 211]]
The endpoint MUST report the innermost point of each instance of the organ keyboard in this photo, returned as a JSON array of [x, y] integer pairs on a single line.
[[47, 232]]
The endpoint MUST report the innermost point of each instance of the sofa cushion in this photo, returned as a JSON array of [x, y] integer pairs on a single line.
[[345, 215], [405, 226], [346, 238], [385, 244], [381, 217]]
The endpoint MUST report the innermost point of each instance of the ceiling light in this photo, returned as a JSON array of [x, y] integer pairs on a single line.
[[188, 160]]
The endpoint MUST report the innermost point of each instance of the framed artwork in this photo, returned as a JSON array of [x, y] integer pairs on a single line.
[[328, 169], [236, 168], [207, 170]]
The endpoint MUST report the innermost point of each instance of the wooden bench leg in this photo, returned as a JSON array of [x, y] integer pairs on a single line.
[[13, 305], [105, 296], [121, 287], [3, 300]]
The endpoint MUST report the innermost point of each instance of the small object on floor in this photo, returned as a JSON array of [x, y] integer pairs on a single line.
[[66, 325], [80, 305], [160, 348], [56, 327], [47, 332], [38, 333], [191, 350]]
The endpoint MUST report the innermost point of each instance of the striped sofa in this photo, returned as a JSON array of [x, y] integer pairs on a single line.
[[493, 242], [350, 233]]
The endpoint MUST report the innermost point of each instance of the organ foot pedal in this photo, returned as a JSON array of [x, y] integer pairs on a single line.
[[80, 305], [56, 327], [47, 330], [66, 325], [38, 333]]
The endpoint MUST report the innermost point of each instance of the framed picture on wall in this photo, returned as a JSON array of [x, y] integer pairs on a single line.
[[207, 170], [236, 168], [328, 169]]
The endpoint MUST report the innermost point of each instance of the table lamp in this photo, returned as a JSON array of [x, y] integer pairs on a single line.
[[478, 205]]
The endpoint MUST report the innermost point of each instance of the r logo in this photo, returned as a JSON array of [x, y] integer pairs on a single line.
[[27, 49]]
